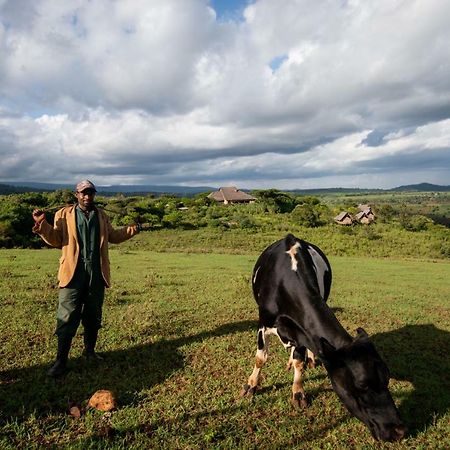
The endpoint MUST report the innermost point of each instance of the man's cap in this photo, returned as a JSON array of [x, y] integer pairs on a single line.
[[85, 184]]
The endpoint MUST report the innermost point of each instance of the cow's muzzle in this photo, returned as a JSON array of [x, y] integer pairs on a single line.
[[391, 433]]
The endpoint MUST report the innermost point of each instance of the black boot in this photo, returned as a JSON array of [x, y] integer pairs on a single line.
[[90, 339], [59, 367]]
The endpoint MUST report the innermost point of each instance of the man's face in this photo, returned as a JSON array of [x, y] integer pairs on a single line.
[[86, 199]]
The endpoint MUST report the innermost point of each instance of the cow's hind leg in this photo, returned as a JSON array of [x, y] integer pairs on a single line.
[[310, 359], [261, 358], [296, 361]]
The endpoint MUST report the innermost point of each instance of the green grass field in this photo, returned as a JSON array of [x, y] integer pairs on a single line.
[[179, 340]]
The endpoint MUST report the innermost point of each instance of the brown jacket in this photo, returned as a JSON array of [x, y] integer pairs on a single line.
[[63, 235]]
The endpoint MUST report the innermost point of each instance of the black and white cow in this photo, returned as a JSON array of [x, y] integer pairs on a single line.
[[291, 283]]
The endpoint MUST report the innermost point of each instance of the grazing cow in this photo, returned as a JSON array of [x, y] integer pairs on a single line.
[[291, 283]]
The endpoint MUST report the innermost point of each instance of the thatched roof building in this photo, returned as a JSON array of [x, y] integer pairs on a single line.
[[366, 216], [344, 218], [231, 194]]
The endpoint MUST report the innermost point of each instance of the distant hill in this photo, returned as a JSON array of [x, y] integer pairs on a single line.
[[422, 187], [183, 191], [321, 191], [145, 189], [187, 191], [6, 189]]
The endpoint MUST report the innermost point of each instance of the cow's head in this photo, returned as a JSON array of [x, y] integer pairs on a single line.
[[360, 378]]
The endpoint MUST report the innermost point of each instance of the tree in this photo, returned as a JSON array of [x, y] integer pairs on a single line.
[[275, 200]]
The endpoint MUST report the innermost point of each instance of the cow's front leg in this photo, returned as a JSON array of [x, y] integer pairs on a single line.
[[261, 357], [296, 360]]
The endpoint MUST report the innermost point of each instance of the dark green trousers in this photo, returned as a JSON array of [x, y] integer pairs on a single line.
[[81, 301]]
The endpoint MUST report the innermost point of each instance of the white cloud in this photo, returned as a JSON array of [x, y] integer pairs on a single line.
[[163, 93]]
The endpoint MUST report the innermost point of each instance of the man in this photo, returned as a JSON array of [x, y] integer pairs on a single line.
[[82, 232]]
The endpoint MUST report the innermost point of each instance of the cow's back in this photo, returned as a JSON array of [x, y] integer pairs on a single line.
[[287, 271]]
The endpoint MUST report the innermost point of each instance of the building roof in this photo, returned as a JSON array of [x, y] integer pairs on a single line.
[[367, 213], [342, 215], [230, 194]]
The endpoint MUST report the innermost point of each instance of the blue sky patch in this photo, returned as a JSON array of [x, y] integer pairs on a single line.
[[276, 62], [229, 10]]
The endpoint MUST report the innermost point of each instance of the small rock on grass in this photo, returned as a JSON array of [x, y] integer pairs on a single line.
[[103, 400]]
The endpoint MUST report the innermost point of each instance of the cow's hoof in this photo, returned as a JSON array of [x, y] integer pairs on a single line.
[[248, 391], [298, 401]]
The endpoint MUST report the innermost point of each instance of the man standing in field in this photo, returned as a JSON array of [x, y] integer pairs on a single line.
[[82, 232]]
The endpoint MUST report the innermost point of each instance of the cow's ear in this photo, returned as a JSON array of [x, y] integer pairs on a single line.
[[360, 333], [289, 329], [326, 350]]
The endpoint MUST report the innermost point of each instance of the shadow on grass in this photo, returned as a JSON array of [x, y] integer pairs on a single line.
[[419, 354], [27, 391]]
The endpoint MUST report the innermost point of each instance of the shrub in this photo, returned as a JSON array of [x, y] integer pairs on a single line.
[[346, 230], [244, 221], [16, 220], [173, 219], [59, 197], [414, 222], [370, 233], [308, 215], [385, 213]]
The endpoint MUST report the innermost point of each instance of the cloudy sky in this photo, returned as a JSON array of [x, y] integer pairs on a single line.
[[258, 94]]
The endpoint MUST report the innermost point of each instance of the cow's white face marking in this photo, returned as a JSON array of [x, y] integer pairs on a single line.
[[292, 252]]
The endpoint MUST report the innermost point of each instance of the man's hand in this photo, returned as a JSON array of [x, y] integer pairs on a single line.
[[38, 216], [132, 230]]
